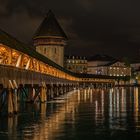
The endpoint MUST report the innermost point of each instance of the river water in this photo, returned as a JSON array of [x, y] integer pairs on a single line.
[[112, 114]]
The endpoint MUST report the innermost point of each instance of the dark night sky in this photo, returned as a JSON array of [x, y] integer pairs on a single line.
[[93, 26]]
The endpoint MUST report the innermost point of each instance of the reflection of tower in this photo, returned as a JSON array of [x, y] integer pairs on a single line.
[[50, 39]]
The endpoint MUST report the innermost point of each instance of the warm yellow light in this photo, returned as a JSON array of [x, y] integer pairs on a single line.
[[2, 48]]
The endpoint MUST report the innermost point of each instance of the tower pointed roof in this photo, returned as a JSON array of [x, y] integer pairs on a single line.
[[50, 27]]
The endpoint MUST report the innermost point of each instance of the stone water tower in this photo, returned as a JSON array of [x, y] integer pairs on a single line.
[[50, 39]]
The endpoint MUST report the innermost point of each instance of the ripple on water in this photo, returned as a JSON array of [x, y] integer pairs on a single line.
[[89, 114]]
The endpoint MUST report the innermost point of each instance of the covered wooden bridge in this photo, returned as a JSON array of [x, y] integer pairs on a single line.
[[29, 76]]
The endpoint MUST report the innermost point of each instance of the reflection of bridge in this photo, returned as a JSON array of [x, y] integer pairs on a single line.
[[27, 75]]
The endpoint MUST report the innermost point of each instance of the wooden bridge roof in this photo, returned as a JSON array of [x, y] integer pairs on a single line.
[[13, 43]]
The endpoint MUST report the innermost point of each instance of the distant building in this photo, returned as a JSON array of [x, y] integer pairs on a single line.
[[50, 39], [95, 62], [118, 68], [108, 66], [98, 60], [76, 64], [135, 66]]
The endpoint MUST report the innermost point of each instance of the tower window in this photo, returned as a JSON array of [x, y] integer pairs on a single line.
[[45, 50], [55, 50]]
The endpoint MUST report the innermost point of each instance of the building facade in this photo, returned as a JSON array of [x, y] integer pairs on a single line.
[[76, 64], [50, 39], [135, 66], [135, 78], [114, 68], [96, 64]]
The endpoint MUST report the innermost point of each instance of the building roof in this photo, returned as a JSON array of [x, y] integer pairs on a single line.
[[111, 63], [108, 64], [50, 27], [75, 57], [99, 57]]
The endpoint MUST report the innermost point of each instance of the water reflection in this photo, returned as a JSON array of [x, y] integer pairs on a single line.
[[94, 113]]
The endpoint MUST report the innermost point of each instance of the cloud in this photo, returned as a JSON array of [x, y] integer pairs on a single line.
[[67, 25], [87, 4], [21, 25], [91, 25], [3, 7]]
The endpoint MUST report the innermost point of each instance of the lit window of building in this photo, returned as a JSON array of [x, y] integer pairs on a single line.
[[77, 64]]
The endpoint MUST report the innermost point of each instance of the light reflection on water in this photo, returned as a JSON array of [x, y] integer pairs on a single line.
[[86, 114]]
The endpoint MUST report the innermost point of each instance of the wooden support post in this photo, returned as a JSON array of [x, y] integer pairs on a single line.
[[30, 94], [54, 90], [45, 93], [57, 90], [10, 102], [1, 92], [15, 104], [15, 97], [61, 89], [71, 88], [12, 98], [3, 99], [42, 94], [51, 92], [102, 85], [48, 92], [67, 87], [64, 89]]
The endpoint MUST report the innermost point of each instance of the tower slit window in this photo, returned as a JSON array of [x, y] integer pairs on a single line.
[[45, 50], [55, 51]]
